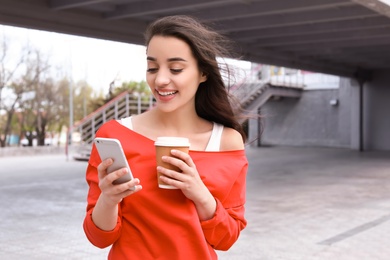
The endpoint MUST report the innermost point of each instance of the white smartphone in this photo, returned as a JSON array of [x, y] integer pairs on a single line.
[[112, 148]]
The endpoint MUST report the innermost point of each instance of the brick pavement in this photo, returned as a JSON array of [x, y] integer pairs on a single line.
[[303, 204]]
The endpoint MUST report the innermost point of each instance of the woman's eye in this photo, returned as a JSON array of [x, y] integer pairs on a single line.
[[151, 70], [176, 70]]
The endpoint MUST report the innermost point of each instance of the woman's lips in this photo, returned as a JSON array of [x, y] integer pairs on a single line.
[[166, 95]]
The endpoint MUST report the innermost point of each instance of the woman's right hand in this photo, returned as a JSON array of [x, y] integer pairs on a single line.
[[105, 213], [114, 193]]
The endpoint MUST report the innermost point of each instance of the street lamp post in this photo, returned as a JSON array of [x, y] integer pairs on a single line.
[[70, 112]]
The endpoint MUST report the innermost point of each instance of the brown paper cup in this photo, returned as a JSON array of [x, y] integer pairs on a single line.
[[164, 145]]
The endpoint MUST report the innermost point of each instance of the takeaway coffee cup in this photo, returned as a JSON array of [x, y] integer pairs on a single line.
[[164, 145]]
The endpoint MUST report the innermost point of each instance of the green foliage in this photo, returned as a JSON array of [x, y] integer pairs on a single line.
[[133, 87], [83, 98]]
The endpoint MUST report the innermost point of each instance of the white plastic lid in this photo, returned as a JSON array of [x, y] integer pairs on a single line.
[[172, 141]]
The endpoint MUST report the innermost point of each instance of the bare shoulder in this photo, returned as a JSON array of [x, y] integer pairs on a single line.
[[231, 140]]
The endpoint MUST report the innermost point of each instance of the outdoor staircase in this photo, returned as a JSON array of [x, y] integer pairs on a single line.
[[254, 95], [123, 105]]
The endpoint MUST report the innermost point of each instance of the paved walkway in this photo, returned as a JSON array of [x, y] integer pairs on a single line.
[[303, 204]]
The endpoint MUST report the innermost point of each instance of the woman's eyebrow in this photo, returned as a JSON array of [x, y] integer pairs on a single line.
[[176, 59], [169, 60]]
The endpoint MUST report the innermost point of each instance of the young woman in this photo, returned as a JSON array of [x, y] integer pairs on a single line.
[[206, 212]]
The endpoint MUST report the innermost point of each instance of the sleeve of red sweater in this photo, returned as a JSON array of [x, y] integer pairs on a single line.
[[223, 230], [95, 235]]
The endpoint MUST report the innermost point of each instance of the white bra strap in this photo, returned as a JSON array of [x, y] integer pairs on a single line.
[[215, 138], [127, 122]]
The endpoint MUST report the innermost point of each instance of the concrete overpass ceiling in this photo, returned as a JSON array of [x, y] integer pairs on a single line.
[[338, 37]]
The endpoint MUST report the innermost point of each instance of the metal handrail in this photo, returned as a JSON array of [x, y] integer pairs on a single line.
[[119, 107]]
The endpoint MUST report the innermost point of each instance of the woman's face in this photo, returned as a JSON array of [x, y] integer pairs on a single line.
[[172, 73]]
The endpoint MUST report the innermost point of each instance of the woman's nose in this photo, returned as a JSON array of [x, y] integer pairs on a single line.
[[162, 77]]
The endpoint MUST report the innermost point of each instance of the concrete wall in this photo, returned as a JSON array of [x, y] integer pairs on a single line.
[[313, 121], [308, 121], [377, 112]]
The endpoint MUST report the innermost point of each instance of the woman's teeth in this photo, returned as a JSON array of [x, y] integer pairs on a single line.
[[167, 93]]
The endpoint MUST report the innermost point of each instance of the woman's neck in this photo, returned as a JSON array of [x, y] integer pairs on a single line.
[[180, 122], [154, 123]]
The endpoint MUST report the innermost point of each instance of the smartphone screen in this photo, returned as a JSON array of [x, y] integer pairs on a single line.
[[112, 148]]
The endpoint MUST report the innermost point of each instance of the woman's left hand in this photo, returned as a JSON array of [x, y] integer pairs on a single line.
[[189, 182]]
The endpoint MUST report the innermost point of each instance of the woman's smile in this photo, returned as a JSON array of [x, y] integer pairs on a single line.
[[166, 93], [166, 96]]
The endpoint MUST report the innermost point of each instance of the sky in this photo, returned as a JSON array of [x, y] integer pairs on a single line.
[[385, 1], [97, 61]]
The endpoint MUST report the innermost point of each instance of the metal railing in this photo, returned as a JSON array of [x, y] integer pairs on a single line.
[[123, 105], [252, 85]]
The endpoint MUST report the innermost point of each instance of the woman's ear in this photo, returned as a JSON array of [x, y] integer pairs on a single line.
[[203, 78]]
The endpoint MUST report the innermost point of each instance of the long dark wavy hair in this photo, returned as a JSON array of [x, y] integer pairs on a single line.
[[212, 100]]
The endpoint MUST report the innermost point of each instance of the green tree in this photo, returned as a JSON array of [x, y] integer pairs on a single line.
[[36, 110], [134, 87], [10, 92], [83, 100]]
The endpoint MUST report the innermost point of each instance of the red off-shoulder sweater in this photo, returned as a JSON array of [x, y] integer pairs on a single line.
[[157, 223]]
